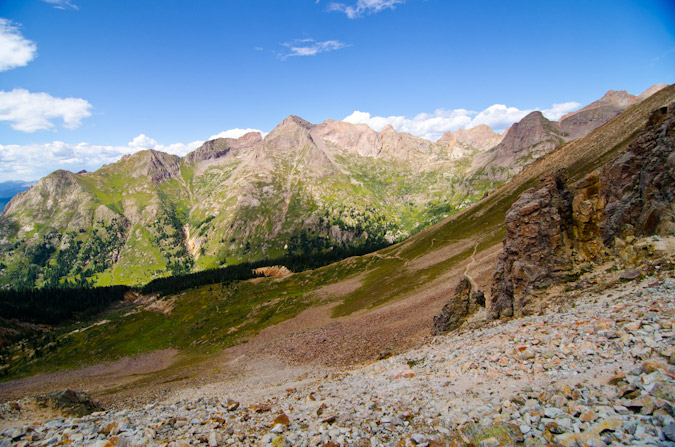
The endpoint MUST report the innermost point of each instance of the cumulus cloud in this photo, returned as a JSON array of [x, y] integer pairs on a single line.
[[432, 125], [236, 133], [15, 50], [143, 142], [364, 7], [33, 161], [309, 47], [62, 4], [29, 112], [558, 110]]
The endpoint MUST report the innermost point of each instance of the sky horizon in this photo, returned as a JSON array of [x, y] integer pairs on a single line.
[[83, 82]]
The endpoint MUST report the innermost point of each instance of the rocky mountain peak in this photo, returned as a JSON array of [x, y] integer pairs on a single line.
[[617, 101], [388, 129], [220, 147], [292, 125], [481, 137], [650, 91], [293, 120], [154, 164], [531, 130]]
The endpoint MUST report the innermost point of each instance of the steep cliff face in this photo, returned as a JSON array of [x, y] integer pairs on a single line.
[[553, 229]]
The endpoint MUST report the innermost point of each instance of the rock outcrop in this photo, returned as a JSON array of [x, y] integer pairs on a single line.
[[553, 229], [463, 304], [639, 187], [535, 252]]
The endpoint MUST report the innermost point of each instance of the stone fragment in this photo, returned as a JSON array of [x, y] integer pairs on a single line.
[[278, 428], [588, 416], [281, 419], [633, 326], [664, 390], [617, 378], [669, 431], [232, 405], [328, 419], [650, 367], [490, 442], [630, 274]]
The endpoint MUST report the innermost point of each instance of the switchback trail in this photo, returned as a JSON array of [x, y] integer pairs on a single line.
[[474, 286]]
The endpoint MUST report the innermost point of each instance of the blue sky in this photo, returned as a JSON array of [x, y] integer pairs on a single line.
[[84, 81]]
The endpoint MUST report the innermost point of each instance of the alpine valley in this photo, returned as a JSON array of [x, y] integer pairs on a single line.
[[480, 290], [303, 190]]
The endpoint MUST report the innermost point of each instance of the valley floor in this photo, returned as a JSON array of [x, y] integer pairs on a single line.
[[593, 370]]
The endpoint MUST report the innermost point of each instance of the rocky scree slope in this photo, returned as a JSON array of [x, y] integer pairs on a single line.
[[595, 371]]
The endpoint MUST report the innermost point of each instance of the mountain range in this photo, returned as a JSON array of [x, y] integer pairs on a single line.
[[304, 189]]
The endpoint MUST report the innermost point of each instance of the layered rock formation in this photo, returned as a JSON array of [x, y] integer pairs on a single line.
[[552, 229], [463, 304]]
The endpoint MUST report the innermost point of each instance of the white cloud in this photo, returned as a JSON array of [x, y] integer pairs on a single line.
[[236, 133], [558, 110], [29, 112], [498, 116], [143, 142], [310, 47], [33, 161], [62, 4], [432, 125], [15, 50], [364, 7]]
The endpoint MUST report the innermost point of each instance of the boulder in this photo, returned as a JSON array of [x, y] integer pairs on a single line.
[[69, 402]]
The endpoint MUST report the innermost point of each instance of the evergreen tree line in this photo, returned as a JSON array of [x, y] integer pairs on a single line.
[[244, 271], [56, 305], [62, 304]]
